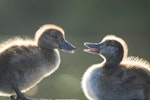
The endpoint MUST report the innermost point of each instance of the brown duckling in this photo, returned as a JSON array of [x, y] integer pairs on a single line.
[[118, 77], [25, 62]]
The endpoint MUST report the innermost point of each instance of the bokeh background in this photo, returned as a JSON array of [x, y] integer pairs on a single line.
[[82, 20]]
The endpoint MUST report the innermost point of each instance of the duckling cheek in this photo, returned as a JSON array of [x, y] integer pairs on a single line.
[[54, 45]]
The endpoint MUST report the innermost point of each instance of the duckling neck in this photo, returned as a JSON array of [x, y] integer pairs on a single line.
[[112, 61], [48, 53]]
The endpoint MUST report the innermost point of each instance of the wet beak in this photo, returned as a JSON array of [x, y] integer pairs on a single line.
[[66, 46], [92, 47]]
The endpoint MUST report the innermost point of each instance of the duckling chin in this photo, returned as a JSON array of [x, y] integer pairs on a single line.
[[25, 62], [118, 77]]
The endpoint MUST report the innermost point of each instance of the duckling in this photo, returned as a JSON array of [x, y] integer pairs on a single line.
[[118, 77], [25, 62]]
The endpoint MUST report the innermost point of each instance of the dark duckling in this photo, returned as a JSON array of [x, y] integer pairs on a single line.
[[25, 62], [118, 77]]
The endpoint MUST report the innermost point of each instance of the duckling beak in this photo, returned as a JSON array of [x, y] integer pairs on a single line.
[[92, 47], [66, 46]]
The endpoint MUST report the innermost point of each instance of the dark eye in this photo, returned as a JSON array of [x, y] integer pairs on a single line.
[[108, 43], [113, 43], [52, 35], [55, 36]]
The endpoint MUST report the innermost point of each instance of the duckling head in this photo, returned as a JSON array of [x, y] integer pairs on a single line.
[[50, 36], [113, 49]]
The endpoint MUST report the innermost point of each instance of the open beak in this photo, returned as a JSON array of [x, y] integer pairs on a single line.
[[66, 46], [92, 47]]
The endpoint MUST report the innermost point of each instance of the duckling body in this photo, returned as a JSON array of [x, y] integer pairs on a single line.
[[25, 62], [118, 77], [26, 65]]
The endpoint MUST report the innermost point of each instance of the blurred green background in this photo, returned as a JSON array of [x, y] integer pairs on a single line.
[[82, 20]]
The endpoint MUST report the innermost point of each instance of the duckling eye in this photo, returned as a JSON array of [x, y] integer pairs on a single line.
[[111, 43], [52, 33], [54, 36]]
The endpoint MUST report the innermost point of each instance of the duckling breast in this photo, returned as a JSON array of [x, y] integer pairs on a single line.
[[91, 84]]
